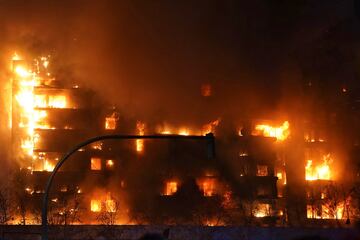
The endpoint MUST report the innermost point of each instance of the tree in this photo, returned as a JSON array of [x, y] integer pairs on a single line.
[[5, 205], [108, 218], [21, 195], [65, 210], [110, 210]]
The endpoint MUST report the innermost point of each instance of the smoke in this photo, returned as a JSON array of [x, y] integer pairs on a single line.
[[151, 59]]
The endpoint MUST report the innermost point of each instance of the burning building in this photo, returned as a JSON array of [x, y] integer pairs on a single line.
[[249, 181]]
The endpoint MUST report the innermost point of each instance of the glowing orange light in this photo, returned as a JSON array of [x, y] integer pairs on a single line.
[[324, 212], [184, 132], [49, 167], [15, 57], [170, 188], [22, 72], [110, 205], [280, 133], [319, 172], [262, 210], [95, 205], [109, 163], [140, 126], [207, 186], [210, 127], [111, 121], [95, 163]]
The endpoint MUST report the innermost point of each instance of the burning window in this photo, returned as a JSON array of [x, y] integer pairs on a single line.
[[170, 188], [109, 164], [110, 123], [110, 205], [48, 166], [140, 127], [319, 171], [281, 133], [52, 101], [325, 211], [309, 136], [40, 101], [314, 136], [332, 211], [95, 163], [313, 211], [281, 175], [207, 186], [95, 205], [262, 170], [40, 119], [57, 101], [281, 181], [45, 161], [262, 210]]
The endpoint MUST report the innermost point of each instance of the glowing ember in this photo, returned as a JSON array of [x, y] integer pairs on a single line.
[[319, 172], [281, 133]]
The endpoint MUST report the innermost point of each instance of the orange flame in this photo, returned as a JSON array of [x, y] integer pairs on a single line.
[[262, 210], [95, 205], [140, 126], [281, 133], [320, 172], [210, 127], [171, 188], [111, 121], [25, 79], [207, 186]]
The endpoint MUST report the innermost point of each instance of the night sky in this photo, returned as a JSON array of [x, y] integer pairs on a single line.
[[150, 58]]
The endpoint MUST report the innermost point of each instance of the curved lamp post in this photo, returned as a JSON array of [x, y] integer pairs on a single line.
[[210, 152]]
